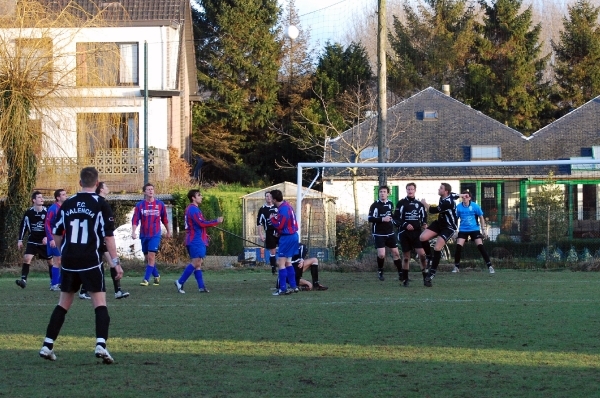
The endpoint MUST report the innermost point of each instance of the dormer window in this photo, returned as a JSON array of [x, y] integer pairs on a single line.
[[485, 152], [430, 115]]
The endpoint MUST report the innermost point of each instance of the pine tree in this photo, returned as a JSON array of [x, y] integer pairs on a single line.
[[577, 70], [505, 78], [432, 47], [238, 60]]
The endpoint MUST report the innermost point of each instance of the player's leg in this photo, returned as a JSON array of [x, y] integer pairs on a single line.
[[22, 282], [429, 233], [313, 263], [69, 286], [188, 270], [197, 263], [460, 242], [484, 255], [93, 281], [380, 246]]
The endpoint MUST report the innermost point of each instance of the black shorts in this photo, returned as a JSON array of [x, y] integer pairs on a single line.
[[445, 233], [92, 280], [409, 240], [472, 234], [37, 250], [271, 240], [385, 241]]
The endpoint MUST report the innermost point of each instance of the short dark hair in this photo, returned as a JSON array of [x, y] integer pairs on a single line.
[[192, 193], [57, 193], [35, 194], [146, 185], [384, 187], [466, 192], [99, 187], [88, 177], [447, 187], [411, 183], [277, 195]]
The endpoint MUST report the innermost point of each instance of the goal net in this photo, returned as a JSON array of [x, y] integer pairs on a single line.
[[544, 212]]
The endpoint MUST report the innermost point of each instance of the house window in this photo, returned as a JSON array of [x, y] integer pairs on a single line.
[[107, 64], [106, 131], [368, 153], [35, 58], [485, 152], [430, 115]]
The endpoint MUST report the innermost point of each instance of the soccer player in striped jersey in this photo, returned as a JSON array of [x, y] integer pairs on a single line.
[[33, 222], [60, 195], [84, 221], [196, 241], [266, 231], [149, 213], [444, 227], [380, 215], [286, 226]]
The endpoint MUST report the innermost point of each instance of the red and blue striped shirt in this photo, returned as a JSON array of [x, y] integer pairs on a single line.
[[50, 216], [149, 215], [285, 221], [195, 225]]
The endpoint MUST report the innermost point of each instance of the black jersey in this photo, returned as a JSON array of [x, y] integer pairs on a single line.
[[300, 256], [410, 211], [377, 211], [33, 222], [86, 219], [264, 218], [446, 211]]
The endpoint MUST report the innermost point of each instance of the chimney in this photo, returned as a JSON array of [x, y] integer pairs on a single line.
[[446, 89]]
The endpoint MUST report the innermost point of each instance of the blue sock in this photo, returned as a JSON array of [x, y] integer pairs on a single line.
[[291, 276], [155, 271], [189, 270], [55, 276], [282, 276], [148, 272], [198, 275]]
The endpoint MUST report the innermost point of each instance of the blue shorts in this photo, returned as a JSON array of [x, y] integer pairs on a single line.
[[150, 244], [52, 251], [288, 245], [196, 250]]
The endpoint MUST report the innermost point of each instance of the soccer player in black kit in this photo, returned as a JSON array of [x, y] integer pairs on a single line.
[[266, 230], [34, 222], [410, 216], [380, 215], [444, 227], [87, 221]]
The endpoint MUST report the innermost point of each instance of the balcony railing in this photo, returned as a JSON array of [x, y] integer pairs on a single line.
[[121, 169]]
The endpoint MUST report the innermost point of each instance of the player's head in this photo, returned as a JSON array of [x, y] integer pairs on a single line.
[[277, 195], [466, 195], [268, 198], [411, 189], [384, 191], [148, 190], [102, 188], [88, 178], [444, 189], [192, 193], [34, 196], [58, 193]]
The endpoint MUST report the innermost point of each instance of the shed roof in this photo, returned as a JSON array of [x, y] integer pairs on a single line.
[[289, 190]]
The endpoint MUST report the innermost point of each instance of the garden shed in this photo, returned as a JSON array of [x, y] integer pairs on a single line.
[[318, 218]]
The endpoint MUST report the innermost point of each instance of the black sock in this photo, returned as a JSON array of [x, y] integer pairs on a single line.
[[116, 283], [427, 249], [484, 254], [457, 254], [404, 275], [424, 272], [314, 273], [56, 321], [380, 263], [437, 256], [102, 323], [398, 264], [24, 271]]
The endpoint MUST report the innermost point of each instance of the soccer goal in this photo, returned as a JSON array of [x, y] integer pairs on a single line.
[[546, 211]]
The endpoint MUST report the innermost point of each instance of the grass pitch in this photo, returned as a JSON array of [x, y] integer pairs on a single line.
[[513, 334]]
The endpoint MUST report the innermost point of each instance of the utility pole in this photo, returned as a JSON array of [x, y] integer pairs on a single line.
[[381, 91]]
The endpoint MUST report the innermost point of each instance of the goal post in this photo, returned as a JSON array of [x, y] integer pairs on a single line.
[[514, 191]]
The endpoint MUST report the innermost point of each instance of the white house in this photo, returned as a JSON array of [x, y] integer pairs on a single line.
[[98, 115]]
